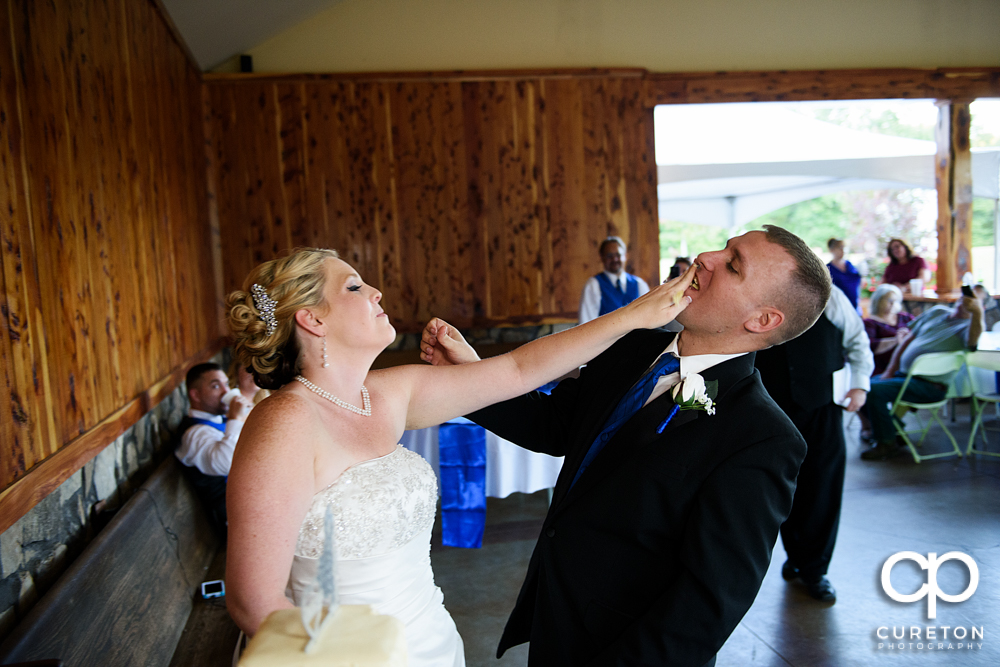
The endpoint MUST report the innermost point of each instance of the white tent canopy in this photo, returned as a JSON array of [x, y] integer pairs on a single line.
[[764, 157]]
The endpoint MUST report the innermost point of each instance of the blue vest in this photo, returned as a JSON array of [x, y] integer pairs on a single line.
[[612, 298], [219, 426]]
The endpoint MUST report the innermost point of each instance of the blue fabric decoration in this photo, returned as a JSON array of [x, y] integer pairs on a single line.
[[628, 406], [612, 298], [462, 451]]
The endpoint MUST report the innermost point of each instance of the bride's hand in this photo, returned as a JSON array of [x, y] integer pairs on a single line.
[[442, 345], [661, 304]]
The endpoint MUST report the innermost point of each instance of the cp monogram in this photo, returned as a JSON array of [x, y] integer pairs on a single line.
[[930, 589]]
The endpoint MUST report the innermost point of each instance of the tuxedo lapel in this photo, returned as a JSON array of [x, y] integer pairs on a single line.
[[641, 430]]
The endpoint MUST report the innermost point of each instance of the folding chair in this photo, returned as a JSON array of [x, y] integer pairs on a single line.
[[982, 397], [928, 365]]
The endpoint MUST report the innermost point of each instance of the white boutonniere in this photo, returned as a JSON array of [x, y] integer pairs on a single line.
[[692, 393]]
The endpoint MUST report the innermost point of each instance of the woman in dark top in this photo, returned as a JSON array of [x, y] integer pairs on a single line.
[[904, 266], [843, 273], [886, 326]]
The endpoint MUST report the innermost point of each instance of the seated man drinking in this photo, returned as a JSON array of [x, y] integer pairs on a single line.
[[208, 436]]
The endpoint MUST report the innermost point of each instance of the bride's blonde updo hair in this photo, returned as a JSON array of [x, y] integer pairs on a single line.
[[293, 282]]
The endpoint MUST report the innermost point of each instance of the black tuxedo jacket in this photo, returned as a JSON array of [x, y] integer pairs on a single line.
[[657, 552]]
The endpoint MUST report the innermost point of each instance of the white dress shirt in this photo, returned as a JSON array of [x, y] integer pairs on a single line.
[[695, 363], [857, 348], [208, 449], [590, 300]]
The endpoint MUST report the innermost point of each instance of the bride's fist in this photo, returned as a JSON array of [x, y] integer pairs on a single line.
[[442, 345]]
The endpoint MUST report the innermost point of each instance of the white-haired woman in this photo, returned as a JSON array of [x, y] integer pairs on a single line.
[[308, 327], [886, 325]]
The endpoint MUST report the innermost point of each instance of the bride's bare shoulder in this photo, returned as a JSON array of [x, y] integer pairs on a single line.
[[276, 448], [281, 413]]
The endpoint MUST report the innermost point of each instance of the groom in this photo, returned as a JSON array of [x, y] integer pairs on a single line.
[[659, 536]]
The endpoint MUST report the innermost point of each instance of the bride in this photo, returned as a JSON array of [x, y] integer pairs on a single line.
[[309, 327]]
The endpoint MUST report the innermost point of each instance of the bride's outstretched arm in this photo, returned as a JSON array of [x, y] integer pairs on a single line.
[[435, 394]]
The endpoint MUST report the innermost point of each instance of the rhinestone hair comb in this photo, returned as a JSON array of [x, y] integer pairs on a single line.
[[265, 306]]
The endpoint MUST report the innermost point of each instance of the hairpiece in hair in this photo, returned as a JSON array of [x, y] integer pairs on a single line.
[[265, 305]]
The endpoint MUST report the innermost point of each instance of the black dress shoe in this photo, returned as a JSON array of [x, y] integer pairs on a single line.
[[789, 571], [820, 588], [881, 452]]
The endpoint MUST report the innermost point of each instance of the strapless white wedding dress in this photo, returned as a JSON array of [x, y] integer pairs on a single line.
[[384, 511]]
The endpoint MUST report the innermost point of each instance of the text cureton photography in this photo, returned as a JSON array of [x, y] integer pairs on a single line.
[[930, 637]]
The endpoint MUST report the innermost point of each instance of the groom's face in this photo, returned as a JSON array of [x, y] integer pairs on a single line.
[[735, 284]]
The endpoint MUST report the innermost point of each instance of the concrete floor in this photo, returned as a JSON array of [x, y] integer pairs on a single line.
[[936, 506]]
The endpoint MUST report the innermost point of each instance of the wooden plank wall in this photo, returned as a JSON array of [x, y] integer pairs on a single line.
[[105, 261], [477, 199]]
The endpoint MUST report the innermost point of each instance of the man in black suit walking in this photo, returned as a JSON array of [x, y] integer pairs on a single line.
[[799, 377], [662, 521]]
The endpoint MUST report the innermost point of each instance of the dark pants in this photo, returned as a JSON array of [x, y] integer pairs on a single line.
[[211, 490], [810, 532], [884, 392]]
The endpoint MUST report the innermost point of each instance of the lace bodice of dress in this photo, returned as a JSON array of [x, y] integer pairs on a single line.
[[378, 506]]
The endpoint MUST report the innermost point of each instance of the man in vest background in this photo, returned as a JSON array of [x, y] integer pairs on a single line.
[[612, 288], [799, 377], [208, 437]]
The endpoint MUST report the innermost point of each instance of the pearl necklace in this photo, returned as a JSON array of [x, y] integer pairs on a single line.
[[364, 412]]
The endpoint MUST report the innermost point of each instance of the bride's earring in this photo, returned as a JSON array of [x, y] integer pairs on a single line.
[[325, 363]]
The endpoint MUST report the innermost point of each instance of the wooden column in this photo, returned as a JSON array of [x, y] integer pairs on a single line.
[[953, 178]]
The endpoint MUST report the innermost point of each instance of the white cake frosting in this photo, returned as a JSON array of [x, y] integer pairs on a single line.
[[355, 637]]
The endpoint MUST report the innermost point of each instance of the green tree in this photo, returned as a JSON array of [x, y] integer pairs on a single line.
[[982, 222], [866, 220], [676, 236], [815, 220]]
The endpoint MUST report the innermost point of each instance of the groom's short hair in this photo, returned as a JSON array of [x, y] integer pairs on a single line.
[[804, 297]]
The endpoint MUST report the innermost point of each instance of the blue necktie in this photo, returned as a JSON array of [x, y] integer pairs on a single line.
[[628, 406]]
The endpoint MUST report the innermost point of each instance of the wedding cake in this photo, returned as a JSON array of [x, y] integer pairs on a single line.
[[324, 632], [354, 636]]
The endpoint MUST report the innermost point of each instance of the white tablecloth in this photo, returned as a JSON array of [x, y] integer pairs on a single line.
[[509, 468], [986, 381]]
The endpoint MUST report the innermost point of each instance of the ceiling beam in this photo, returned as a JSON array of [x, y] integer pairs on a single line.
[[715, 87], [449, 75], [810, 85]]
